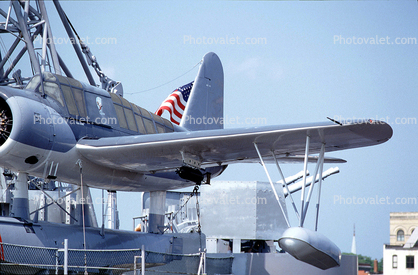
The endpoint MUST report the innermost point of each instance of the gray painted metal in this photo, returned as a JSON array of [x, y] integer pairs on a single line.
[[205, 107], [75, 46], [54, 54], [149, 162], [66, 209], [310, 247], [20, 201], [157, 212], [180, 211], [112, 210], [298, 185], [284, 264], [229, 145], [45, 234], [242, 210], [26, 36]]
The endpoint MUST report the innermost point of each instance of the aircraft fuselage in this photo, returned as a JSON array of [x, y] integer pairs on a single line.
[[41, 125]]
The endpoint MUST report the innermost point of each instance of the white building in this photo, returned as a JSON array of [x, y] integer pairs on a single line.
[[400, 255]]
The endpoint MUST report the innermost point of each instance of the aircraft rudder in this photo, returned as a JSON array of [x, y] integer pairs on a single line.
[[204, 110]]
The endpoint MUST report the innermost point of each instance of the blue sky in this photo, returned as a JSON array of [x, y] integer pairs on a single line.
[[303, 61]]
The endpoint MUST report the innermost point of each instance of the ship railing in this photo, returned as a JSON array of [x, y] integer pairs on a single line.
[[22, 259]]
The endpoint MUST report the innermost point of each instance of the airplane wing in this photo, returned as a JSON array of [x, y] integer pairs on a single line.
[[164, 152]]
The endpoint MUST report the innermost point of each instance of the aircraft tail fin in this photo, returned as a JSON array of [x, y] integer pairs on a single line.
[[205, 107]]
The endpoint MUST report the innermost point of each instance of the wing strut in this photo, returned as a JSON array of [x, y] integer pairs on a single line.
[[271, 184], [305, 168], [319, 191], [285, 184], [305, 198], [319, 166], [302, 243]]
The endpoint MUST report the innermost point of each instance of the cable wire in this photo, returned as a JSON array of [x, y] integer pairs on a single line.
[[147, 90]]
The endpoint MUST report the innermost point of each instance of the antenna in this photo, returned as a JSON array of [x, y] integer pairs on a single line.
[[353, 244]]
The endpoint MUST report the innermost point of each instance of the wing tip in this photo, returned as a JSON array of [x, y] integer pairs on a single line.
[[376, 130]]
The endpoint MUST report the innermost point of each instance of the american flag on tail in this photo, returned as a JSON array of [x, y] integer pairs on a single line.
[[176, 102]]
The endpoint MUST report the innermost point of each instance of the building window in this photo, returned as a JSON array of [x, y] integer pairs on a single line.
[[400, 236], [409, 261], [395, 261]]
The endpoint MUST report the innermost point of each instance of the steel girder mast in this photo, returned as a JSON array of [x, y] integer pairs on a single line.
[[26, 23]]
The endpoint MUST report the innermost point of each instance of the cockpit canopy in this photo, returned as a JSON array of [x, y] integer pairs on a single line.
[[80, 101]]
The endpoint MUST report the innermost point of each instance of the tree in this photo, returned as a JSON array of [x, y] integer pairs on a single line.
[[367, 260]]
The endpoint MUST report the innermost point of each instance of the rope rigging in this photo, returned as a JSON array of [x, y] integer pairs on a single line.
[[168, 82]]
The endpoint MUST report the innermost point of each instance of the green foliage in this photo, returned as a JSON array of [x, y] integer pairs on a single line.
[[367, 260], [380, 265]]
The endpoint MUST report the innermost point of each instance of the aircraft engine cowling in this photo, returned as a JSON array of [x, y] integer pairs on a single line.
[[29, 132]]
